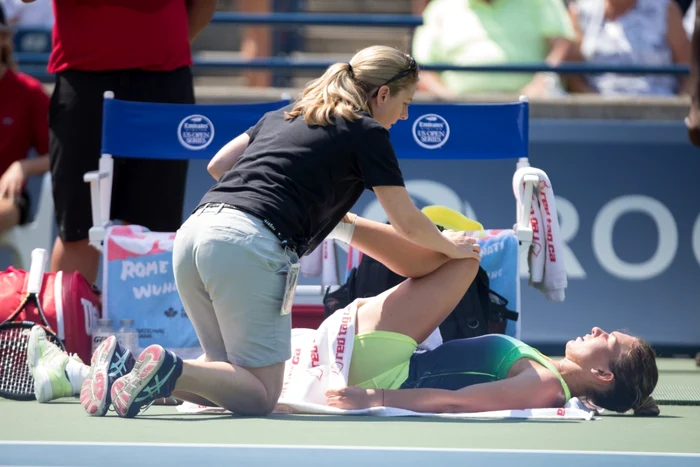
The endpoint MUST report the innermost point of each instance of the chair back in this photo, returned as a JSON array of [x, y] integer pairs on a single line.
[[463, 131], [175, 131]]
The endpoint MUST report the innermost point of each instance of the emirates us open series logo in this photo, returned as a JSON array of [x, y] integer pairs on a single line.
[[195, 132], [431, 131]]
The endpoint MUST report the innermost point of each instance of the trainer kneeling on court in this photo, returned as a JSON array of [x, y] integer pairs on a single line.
[[282, 187]]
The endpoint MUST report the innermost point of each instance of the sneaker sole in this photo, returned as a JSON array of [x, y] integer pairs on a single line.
[[126, 388], [95, 391], [42, 383]]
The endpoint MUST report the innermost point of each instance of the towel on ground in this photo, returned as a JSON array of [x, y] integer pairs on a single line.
[[575, 409]]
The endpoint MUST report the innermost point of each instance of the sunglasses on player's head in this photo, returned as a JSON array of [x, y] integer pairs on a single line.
[[412, 66]]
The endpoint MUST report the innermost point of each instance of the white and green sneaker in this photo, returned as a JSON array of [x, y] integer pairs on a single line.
[[47, 362]]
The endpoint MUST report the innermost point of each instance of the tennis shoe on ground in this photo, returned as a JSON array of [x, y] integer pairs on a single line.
[[110, 361], [47, 363], [153, 377]]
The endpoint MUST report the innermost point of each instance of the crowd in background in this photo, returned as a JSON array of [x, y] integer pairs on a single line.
[[454, 32]]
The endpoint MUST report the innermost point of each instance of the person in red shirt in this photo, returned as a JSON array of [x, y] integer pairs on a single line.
[[140, 50], [24, 126]]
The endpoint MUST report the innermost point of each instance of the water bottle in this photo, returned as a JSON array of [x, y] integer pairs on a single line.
[[103, 331], [128, 336]]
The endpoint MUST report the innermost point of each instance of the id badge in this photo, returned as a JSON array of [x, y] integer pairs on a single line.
[[291, 288]]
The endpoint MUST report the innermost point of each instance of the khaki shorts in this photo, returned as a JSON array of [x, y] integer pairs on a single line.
[[230, 272]]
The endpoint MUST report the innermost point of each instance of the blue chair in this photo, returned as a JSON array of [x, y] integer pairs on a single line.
[[172, 131], [161, 131], [469, 132]]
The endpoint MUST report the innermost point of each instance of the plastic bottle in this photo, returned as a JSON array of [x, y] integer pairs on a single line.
[[128, 336], [103, 331]]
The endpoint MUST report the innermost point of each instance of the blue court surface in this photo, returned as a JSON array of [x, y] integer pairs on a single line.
[[133, 454]]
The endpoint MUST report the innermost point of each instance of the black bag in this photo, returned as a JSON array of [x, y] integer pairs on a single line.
[[481, 310]]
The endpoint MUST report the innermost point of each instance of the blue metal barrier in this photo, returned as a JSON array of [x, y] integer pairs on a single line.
[[30, 58], [320, 19]]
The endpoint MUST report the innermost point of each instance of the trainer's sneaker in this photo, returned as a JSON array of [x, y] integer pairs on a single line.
[[110, 361], [47, 363], [153, 377]]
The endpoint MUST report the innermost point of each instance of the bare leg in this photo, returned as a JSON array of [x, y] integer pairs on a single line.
[[383, 243], [257, 42], [75, 256], [194, 398], [245, 391], [9, 214], [416, 307]]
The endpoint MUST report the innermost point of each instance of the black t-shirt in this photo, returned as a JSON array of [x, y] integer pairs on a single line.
[[303, 179]]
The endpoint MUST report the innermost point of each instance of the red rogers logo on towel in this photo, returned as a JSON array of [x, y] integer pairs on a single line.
[[320, 358]]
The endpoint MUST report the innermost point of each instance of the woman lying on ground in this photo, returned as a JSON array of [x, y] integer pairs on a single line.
[[614, 371]]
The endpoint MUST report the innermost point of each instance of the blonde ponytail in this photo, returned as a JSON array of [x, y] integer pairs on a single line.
[[344, 89]]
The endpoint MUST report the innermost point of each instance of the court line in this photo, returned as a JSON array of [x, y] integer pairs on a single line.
[[349, 448]]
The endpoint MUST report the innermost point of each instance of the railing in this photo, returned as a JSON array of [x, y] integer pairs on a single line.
[[321, 19], [25, 58]]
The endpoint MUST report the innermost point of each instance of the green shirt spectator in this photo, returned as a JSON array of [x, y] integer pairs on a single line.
[[478, 32]]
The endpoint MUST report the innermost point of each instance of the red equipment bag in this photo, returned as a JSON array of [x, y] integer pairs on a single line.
[[72, 306]]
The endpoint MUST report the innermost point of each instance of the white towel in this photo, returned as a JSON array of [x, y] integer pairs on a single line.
[[433, 341], [549, 274], [320, 358], [322, 263], [312, 264], [573, 410], [536, 256], [329, 274]]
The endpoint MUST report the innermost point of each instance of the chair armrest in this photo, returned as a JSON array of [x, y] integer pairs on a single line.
[[94, 176]]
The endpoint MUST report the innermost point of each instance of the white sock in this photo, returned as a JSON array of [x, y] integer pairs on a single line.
[[76, 372]]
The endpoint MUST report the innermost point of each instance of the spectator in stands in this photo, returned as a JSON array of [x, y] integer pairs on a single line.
[[689, 20], [257, 42], [492, 32], [141, 51], [419, 6], [629, 32], [24, 108], [693, 120], [28, 15]]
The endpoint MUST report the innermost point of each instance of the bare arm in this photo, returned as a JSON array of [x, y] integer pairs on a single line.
[[227, 156], [383, 243], [412, 224], [693, 119], [199, 14], [678, 42], [527, 390], [559, 49], [35, 165], [576, 83], [13, 180]]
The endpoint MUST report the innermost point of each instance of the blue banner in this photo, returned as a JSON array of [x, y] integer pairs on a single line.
[[139, 285]]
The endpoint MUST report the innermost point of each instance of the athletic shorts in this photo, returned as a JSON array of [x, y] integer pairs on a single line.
[[145, 192], [380, 360], [230, 271]]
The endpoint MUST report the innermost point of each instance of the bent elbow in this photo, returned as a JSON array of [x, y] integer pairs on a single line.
[[214, 170]]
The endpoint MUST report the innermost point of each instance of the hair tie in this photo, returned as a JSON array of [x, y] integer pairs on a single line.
[[350, 69]]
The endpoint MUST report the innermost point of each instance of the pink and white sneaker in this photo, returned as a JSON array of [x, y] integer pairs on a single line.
[[109, 362]]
